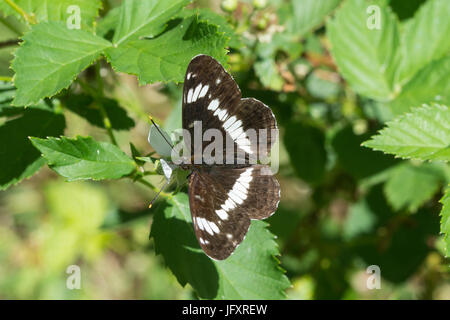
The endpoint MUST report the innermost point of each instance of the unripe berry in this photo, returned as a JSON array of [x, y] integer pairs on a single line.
[[228, 5]]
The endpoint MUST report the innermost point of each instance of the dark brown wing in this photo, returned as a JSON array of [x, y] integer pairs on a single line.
[[212, 97], [222, 202]]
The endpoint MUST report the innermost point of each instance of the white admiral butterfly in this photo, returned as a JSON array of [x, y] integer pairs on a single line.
[[224, 197]]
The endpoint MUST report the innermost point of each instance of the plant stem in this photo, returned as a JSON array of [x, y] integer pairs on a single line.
[[107, 124], [106, 120], [28, 18], [99, 78], [9, 43], [97, 94]]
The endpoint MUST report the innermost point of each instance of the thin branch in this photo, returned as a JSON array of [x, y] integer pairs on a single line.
[[28, 18], [9, 43], [98, 96], [106, 120], [107, 123]]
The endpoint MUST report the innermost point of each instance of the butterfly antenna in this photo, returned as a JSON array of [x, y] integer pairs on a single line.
[[157, 128], [157, 195]]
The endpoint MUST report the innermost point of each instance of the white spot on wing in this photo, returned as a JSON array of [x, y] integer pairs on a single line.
[[189, 97], [203, 91], [207, 226], [236, 133], [234, 126], [233, 196], [213, 105], [221, 113], [222, 214], [229, 122], [200, 224], [196, 92], [214, 227]]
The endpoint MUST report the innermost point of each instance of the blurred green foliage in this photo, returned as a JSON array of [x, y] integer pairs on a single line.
[[332, 81]]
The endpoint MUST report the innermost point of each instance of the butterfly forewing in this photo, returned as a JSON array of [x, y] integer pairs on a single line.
[[212, 97], [222, 202]]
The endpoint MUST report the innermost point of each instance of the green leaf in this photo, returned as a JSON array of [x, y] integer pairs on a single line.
[[405, 9], [308, 155], [361, 163], [267, 72], [7, 92], [400, 253], [18, 158], [84, 158], [51, 10], [119, 218], [422, 134], [322, 88], [281, 41], [144, 18], [88, 108], [445, 219], [303, 16], [430, 84], [367, 58], [251, 272], [360, 220], [425, 37], [50, 58], [166, 57], [108, 23], [401, 189], [211, 17], [159, 140]]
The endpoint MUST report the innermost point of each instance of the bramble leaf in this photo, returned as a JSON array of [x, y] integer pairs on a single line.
[[88, 108], [422, 134], [430, 28], [360, 220], [166, 57], [84, 158], [50, 58], [18, 158], [60, 10], [307, 14], [108, 22], [144, 18], [366, 57], [308, 155], [251, 272], [401, 187], [359, 162], [430, 84], [220, 21], [267, 72], [445, 219]]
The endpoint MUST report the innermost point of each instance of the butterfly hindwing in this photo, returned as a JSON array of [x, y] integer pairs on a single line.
[[222, 202]]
